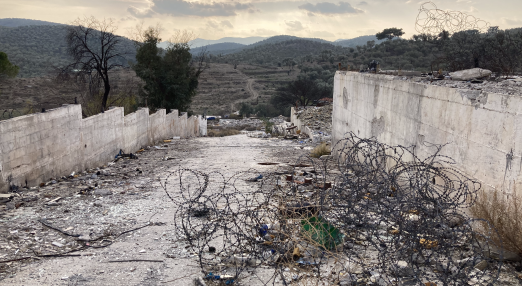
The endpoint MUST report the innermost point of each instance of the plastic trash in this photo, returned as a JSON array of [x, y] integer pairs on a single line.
[[322, 232], [256, 178]]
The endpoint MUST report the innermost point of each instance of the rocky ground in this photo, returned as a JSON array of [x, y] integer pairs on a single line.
[[69, 231]]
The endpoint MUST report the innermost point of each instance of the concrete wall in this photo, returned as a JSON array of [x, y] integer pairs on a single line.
[[300, 125], [34, 148], [484, 131]]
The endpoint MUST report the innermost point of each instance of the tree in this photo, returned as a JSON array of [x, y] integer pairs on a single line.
[[170, 76], [6, 68], [95, 49], [389, 34], [302, 91]]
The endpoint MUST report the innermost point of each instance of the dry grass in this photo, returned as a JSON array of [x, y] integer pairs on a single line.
[[221, 133], [321, 150], [505, 214]]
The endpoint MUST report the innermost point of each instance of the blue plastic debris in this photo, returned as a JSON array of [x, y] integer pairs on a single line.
[[229, 282], [256, 178], [304, 262], [263, 230]]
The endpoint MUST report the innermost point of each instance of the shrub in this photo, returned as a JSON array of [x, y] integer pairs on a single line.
[[503, 213], [321, 150]]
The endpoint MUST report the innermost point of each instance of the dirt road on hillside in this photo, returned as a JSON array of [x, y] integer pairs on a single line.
[[131, 198]]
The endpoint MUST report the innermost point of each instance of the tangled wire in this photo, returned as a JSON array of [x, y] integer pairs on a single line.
[[433, 21], [384, 217]]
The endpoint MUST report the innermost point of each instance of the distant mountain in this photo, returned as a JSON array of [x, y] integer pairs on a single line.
[[17, 22], [244, 41], [359, 41]]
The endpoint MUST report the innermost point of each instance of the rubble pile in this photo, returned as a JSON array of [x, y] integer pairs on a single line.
[[319, 120], [365, 224], [510, 86], [245, 123]]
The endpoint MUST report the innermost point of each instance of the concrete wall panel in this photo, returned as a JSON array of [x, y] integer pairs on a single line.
[[34, 148], [482, 131]]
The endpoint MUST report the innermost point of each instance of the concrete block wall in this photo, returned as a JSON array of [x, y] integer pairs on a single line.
[[300, 125], [483, 130], [34, 148]]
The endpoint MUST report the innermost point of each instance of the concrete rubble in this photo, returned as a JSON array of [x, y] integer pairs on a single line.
[[470, 74], [507, 86]]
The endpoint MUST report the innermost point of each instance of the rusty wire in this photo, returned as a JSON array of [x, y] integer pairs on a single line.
[[433, 21], [388, 218]]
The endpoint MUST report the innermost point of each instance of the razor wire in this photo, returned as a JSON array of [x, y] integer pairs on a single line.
[[433, 21], [384, 217]]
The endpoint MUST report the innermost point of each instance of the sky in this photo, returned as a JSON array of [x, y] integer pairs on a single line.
[[214, 19]]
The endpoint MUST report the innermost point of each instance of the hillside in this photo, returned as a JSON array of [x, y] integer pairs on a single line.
[[196, 43], [17, 22], [221, 48], [359, 41], [276, 51], [37, 49]]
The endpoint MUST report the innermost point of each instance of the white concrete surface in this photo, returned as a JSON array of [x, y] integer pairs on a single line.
[[36, 147], [483, 131]]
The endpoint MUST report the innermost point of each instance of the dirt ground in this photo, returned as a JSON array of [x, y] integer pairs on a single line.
[[100, 206]]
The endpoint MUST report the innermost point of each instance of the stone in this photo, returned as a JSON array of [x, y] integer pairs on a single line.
[[470, 74], [57, 244], [102, 192], [481, 265], [497, 254], [403, 269], [348, 280]]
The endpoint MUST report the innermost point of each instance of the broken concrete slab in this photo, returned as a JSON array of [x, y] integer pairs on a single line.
[[470, 74]]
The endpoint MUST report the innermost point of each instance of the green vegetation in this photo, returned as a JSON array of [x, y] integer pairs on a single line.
[[389, 34], [7, 69], [302, 92], [171, 78]]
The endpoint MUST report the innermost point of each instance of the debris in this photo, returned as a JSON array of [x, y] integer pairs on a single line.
[[135, 260], [102, 192], [123, 155], [470, 74], [322, 232], [57, 244], [255, 179]]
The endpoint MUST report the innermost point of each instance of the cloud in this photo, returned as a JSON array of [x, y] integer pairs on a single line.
[[219, 26], [512, 22], [363, 3], [186, 8], [322, 34], [263, 32], [328, 8], [141, 13], [294, 26]]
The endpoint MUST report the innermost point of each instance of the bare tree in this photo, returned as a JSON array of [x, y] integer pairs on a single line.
[[95, 48]]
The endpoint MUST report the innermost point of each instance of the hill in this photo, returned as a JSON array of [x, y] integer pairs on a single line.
[[221, 48], [359, 41], [196, 43], [17, 22], [37, 49]]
